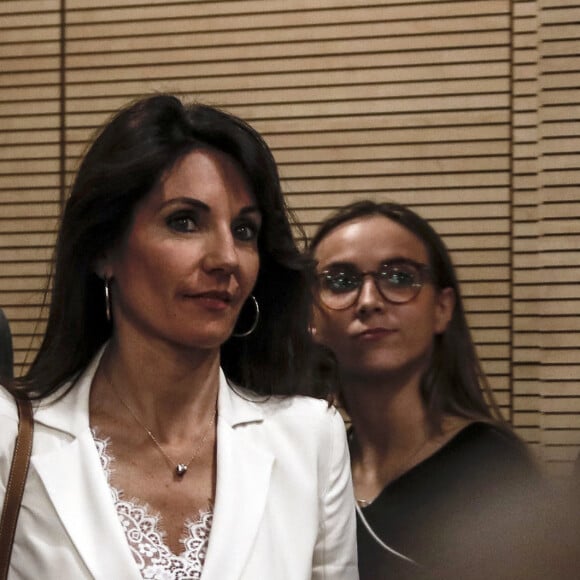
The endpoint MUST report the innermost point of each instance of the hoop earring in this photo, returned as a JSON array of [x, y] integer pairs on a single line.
[[254, 324], [107, 283]]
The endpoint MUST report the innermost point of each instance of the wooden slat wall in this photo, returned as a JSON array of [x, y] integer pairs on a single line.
[[393, 101], [559, 232], [526, 272], [448, 106], [29, 161]]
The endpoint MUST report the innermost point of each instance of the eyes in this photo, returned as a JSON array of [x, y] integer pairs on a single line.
[[340, 280], [246, 231], [402, 274], [345, 278], [399, 281], [182, 222], [244, 228]]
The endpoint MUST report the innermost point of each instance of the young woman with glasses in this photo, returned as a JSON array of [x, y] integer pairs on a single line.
[[427, 442]]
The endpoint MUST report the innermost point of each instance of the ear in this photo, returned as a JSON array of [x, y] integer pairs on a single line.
[[313, 327], [444, 307], [102, 267]]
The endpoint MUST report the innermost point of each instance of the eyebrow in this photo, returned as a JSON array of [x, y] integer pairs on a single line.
[[386, 261], [200, 205], [339, 265], [251, 209], [196, 203]]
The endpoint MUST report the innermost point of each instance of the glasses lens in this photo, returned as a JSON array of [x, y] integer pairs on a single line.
[[400, 282], [338, 288]]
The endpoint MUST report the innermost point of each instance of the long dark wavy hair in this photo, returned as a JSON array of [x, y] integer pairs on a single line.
[[124, 163], [454, 383]]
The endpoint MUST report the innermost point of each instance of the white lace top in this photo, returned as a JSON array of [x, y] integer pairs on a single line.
[[146, 538]]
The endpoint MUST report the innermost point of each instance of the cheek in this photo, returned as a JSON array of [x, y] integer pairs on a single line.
[[421, 323], [251, 269], [143, 266]]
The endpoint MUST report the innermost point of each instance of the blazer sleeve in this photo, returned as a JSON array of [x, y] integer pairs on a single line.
[[8, 432], [335, 555]]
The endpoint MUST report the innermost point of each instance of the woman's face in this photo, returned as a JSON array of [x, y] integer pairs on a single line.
[[190, 257], [374, 337]]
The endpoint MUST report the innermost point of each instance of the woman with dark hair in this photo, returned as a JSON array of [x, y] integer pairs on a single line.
[[6, 352], [170, 440], [427, 441]]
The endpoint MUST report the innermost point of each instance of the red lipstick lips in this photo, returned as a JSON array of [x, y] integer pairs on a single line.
[[213, 299]]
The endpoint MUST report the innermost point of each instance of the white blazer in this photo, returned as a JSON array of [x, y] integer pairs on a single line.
[[284, 506]]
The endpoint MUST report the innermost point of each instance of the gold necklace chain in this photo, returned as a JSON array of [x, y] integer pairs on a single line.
[[180, 469]]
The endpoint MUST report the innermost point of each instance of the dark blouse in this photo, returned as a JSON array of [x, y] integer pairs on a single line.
[[444, 512]]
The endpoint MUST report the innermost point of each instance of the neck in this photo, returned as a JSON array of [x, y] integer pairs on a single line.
[[168, 389], [391, 431], [387, 418]]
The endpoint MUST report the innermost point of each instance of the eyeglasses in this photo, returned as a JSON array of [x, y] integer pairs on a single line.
[[398, 282]]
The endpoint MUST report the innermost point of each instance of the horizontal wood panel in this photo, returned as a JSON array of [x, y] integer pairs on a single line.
[[16, 298], [241, 29], [29, 152], [25, 211], [562, 437], [9, 197], [445, 198], [347, 54], [463, 165], [24, 254], [31, 225], [342, 11], [450, 183], [311, 109], [27, 240], [15, 181], [391, 126], [24, 283], [297, 53]]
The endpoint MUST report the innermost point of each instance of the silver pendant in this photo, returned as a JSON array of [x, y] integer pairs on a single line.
[[181, 469]]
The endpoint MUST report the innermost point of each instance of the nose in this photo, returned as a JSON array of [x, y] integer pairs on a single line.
[[369, 299], [221, 254]]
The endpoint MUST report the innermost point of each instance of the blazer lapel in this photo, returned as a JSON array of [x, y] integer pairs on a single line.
[[77, 485], [243, 479]]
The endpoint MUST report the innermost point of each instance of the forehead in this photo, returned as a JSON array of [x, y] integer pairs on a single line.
[[368, 241], [207, 175]]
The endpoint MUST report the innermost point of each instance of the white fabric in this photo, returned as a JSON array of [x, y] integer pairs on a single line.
[[284, 507], [146, 538]]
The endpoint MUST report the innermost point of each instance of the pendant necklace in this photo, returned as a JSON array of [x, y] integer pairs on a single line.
[[180, 469]]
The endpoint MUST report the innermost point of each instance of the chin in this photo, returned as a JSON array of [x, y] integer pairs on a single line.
[[205, 341], [374, 369]]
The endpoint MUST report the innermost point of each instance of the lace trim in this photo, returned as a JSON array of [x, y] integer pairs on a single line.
[[146, 539]]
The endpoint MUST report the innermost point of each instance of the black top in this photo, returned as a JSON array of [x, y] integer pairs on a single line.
[[444, 512]]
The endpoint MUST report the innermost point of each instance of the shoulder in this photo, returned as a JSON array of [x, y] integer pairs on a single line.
[[487, 450], [279, 407], [302, 422], [308, 435], [489, 437], [8, 411], [9, 422], [307, 413]]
